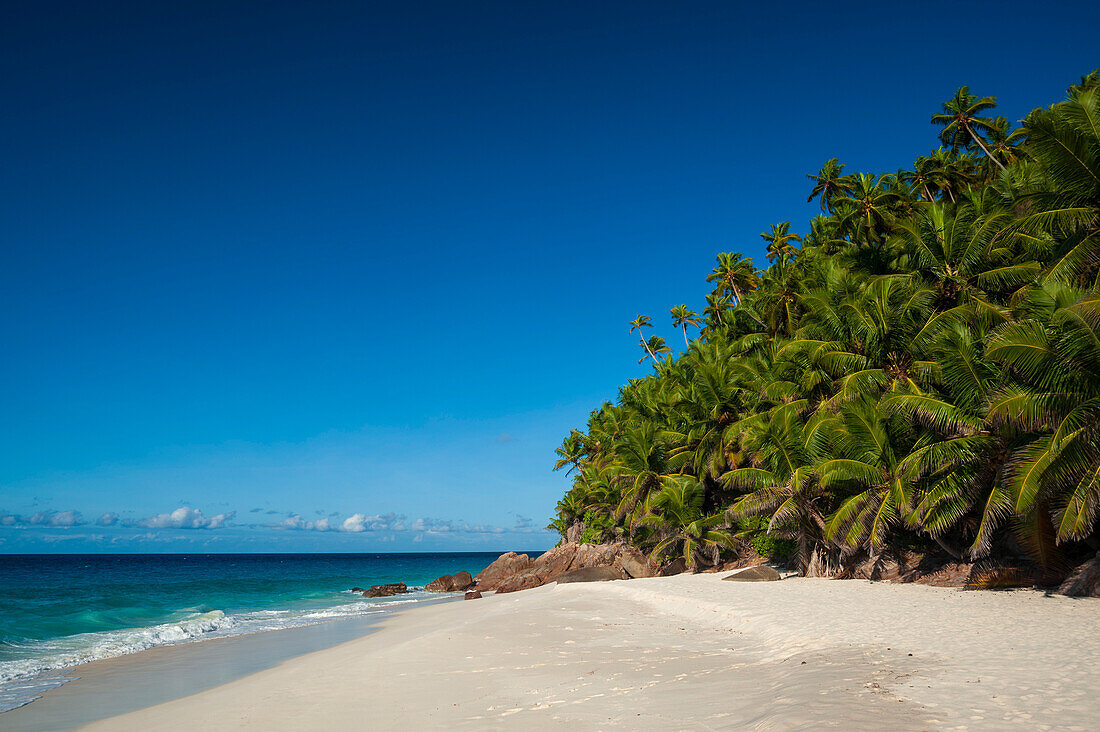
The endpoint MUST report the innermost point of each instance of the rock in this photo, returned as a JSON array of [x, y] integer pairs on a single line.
[[441, 584], [635, 564], [558, 560], [504, 567], [397, 588], [525, 580], [461, 581], [573, 533], [1083, 581], [595, 555], [360, 590], [591, 574], [762, 573], [676, 566], [472, 595]]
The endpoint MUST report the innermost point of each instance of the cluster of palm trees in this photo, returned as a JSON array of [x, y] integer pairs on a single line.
[[921, 369]]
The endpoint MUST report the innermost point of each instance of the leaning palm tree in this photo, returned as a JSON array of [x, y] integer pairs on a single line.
[[961, 124], [654, 345], [636, 325], [682, 317]]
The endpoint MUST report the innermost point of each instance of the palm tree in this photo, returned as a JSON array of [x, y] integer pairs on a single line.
[[677, 517], [734, 274], [654, 345], [779, 241], [642, 321], [828, 183], [961, 123], [682, 318]]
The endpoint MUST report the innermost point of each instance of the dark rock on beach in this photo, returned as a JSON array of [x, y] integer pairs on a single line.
[[440, 584], [762, 573], [1084, 581], [591, 574], [472, 595], [636, 564], [397, 588], [461, 581]]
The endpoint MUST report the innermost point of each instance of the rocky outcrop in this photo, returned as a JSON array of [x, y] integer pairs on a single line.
[[636, 564], [397, 588], [1084, 581], [591, 574], [525, 580], [472, 595], [596, 555], [504, 567], [761, 573], [616, 561]]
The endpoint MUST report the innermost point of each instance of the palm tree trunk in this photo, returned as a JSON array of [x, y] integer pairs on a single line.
[[685, 329], [927, 194], [988, 154], [646, 347]]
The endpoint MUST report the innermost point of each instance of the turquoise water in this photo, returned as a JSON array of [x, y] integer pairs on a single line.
[[58, 611]]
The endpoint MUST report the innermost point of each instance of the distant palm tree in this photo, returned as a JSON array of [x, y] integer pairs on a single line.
[[682, 318], [734, 274], [654, 345], [642, 321], [961, 123], [779, 241], [829, 183]]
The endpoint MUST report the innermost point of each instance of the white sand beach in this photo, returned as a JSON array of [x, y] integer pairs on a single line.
[[685, 652]]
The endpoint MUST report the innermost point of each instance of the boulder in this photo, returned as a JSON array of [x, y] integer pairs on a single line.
[[472, 595], [676, 566], [591, 574], [762, 573], [461, 581], [525, 580], [558, 560], [1083, 581], [360, 590], [397, 588], [504, 567], [441, 584], [573, 533], [596, 555], [636, 564]]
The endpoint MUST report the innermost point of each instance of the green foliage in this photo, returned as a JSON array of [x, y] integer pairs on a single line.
[[755, 529], [597, 528], [921, 368]]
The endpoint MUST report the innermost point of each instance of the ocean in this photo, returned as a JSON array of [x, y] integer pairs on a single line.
[[59, 611]]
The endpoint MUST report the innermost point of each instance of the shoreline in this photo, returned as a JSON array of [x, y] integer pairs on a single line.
[[108, 687], [644, 653]]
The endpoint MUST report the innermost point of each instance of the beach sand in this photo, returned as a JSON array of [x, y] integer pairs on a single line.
[[686, 652]]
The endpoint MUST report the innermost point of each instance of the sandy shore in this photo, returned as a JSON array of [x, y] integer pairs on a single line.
[[685, 652]]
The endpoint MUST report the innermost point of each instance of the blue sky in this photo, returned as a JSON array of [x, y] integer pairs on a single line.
[[339, 276]]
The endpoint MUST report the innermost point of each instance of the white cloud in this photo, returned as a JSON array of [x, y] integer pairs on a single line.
[[57, 518], [297, 523], [108, 519], [355, 522], [186, 517]]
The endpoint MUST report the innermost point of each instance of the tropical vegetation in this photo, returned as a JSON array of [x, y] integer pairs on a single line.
[[920, 368]]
